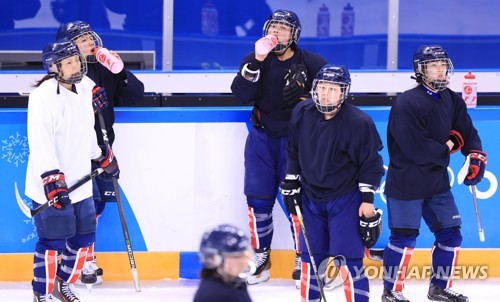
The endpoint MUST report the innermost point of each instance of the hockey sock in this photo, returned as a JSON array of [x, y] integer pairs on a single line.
[[356, 287], [397, 256], [309, 288], [90, 253], [445, 256], [44, 269], [260, 220], [72, 263]]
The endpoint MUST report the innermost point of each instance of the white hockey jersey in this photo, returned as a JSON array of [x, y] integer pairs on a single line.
[[61, 136]]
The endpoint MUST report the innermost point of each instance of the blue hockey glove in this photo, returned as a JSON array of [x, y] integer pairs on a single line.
[[457, 140], [54, 185], [290, 189], [99, 99], [107, 161], [295, 78], [477, 166]]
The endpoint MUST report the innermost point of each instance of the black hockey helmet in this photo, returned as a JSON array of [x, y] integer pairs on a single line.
[[55, 52], [426, 54], [76, 29], [331, 74], [288, 18]]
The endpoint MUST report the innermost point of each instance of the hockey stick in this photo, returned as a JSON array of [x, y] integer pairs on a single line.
[[313, 263], [478, 218], [128, 243], [32, 212]]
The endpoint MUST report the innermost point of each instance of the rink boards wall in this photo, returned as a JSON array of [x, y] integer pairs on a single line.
[[182, 173]]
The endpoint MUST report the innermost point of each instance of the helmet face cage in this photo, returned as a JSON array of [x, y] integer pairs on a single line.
[[82, 34], [280, 23], [436, 73], [329, 95], [432, 66], [55, 54], [331, 87]]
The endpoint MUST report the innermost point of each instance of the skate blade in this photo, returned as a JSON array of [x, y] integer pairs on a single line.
[[262, 277]]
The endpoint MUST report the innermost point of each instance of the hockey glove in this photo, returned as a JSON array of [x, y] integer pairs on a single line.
[[54, 185], [477, 166], [106, 188], [107, 161], [99, 99], [371, 228], [295, 85], [457, 140], [290, 191]]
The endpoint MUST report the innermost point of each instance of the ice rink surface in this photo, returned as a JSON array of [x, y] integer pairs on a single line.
[[272, 291]]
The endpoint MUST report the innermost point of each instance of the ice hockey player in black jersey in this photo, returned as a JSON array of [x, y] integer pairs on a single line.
[[334, 168], [427, 124], [226, 255], [274, 78], [121, 89]]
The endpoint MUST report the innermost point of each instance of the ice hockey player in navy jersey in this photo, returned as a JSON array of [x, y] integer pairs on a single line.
[[274, 78], [226, 256], [426, 125], [334, 168], [121, 89]]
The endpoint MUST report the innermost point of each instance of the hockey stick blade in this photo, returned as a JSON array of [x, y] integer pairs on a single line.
[[32, 212], [463, 171], [375, 255]]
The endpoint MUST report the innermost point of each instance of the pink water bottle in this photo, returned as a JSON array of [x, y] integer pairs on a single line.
[[264, 45], [107, 59], [469, 90]]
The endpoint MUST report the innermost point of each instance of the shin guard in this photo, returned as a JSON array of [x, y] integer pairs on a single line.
[[260, 221], [356, 286], [72, 264]]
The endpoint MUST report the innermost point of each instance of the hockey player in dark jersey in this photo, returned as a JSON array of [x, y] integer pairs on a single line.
[[226, 255], [334, 168], [274, 78], [427, 124], [121, 89]]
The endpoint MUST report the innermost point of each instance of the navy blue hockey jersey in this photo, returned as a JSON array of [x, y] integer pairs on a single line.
[[213, 289], [333, 156], [123, 89], [419, 126], [267, 93]]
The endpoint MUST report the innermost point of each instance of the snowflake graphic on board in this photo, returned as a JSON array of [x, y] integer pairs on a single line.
[[15, 149]]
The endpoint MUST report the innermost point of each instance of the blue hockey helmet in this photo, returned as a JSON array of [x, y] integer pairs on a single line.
[[426, 54], [288, 18], [74, 31], [55, 52], [331, 87], [220, 242]]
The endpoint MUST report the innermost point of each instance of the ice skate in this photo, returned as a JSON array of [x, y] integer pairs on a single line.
[[63, 291], [262, 260], [444, 295], [296, 271], [42, 298], [393, 296]]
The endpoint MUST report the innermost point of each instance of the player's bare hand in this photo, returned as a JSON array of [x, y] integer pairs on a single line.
[[366, 210]]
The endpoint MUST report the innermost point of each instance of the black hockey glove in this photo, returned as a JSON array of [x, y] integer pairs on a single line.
[[99, 99], [295, 85], [457, 140], [371, 228], [107, 161], [290, 189], [54, 185], [477, 166]]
